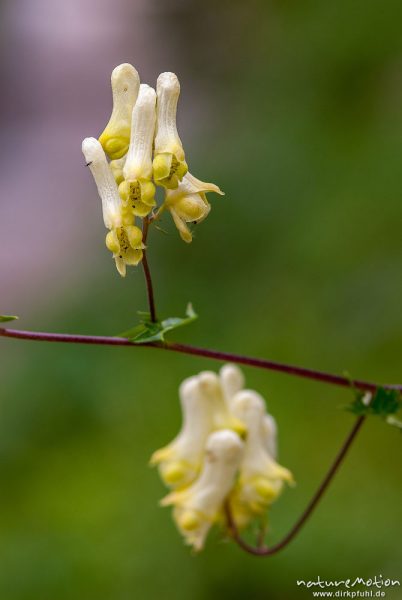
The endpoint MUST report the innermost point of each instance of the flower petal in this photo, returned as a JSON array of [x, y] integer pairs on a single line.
[[167, 138], [138, 164], [116, 135], [197, 507], [103, 176]]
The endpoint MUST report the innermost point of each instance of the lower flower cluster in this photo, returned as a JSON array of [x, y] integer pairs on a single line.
[[225, 452]]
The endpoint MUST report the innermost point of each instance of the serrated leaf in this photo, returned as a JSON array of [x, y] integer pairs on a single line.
[[5, 318], [148, 331], [384, 402]]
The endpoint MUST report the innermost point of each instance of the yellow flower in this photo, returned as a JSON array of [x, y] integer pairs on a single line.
[[135, 186], [180, 461], [261, 478], [232, 381], [222, 418], [169, 163], [124, 239], [198, 506], [208, 461], [188, 203], [116, 135], [126, 244]]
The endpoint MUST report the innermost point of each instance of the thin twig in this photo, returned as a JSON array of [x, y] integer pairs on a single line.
[[260, 363], [269, 551], [147, 273]]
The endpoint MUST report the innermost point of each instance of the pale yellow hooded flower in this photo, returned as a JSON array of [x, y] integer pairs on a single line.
[[188, 203], [261, 478], [211, 390], [116, 135], [180, 461], [136, 189], [124, 239], [199, 506], [232, 381], [169, 163]]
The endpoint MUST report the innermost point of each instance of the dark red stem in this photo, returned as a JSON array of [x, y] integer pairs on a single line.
[[147, 273], [260, 363], [269, 551]]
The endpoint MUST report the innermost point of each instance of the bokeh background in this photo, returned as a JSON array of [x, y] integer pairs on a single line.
[[294, 108]]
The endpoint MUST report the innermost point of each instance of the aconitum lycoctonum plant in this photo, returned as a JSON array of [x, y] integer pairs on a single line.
[[226, 449], [222, 468]]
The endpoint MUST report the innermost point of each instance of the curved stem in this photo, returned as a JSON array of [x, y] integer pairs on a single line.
[[147, 273], [271, 365], [260, 363], [269, 551]]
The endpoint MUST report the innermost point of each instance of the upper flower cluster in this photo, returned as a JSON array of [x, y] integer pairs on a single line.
[[144, 149], [226, 450]]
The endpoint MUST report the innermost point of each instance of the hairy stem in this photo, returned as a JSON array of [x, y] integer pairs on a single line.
[[269, 551], [260, 363], [147, 273]]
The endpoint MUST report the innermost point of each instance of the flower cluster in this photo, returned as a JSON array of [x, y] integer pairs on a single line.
[[144, 149], [225, 451]]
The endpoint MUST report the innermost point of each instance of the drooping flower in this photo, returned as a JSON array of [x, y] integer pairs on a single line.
[[261, 478], [214, 404], [232, 381], [136, 189], [169, 163], [198, 506], [124, 239], [116, 135], [180, 461], [222, 418], [188, 203]]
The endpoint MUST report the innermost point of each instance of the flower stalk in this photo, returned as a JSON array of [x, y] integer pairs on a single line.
[[262, 550]]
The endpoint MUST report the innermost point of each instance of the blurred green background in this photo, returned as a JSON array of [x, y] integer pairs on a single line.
[[294, 109]]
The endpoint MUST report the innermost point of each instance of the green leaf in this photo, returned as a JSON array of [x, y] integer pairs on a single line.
[[394, 422], [5, 318], [148, 331], [384, 402]]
